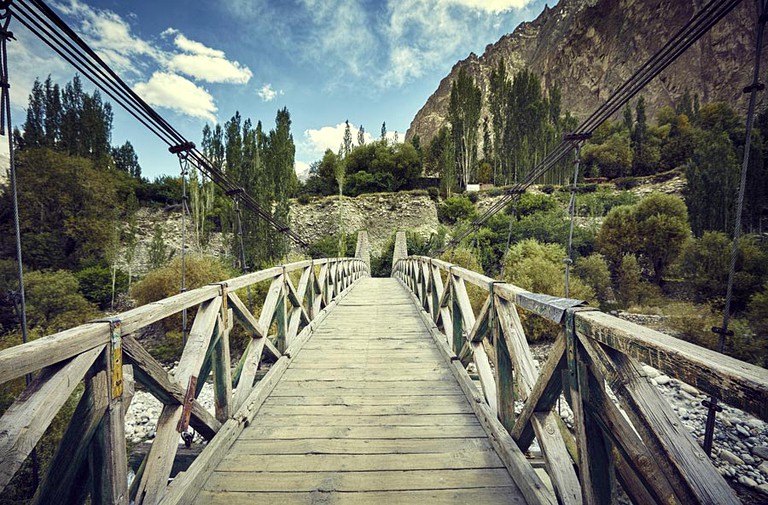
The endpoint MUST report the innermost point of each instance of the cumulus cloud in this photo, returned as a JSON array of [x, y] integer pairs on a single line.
[[179, 94], [268, 94], [490, 5], [317, 141], [109, 35], [302, 170], [205, 63]]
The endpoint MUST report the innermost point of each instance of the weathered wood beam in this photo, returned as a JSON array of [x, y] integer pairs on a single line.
[[478, 333], [151, 374], [559, 465], [250, 323], [693, 477], [544, 394], [29, 416], [742, 385], [222, 371], [160, 457], [71, 454]]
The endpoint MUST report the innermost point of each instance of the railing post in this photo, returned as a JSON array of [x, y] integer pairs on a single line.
[[593, 450], [109, 460], [505, 377], [222, 375]]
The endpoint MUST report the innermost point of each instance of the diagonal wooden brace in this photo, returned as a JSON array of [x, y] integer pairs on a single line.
[[186, 411]]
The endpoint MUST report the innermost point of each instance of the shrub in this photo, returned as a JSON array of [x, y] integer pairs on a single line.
[[434, 193], [473, 196], [456, 208], [531, 203], [96, 284], [303, 199], [593, 270]]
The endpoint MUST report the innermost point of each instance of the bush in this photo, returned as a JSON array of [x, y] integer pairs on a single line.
[[303, 199], [593, 270], [531, 203], [96, 284], [456, 208], [434, 193], [539, 268], [473, 196], [548, 189], [328, 246]]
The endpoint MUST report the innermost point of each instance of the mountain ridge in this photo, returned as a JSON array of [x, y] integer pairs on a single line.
[[584, 46]]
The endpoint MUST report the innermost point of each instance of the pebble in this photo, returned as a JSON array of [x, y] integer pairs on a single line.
[[662, 380], [651, 372], [763, 467], [746, 481], [689, 389], [743, 431], [730, 457], [760, 450], [763, 488]]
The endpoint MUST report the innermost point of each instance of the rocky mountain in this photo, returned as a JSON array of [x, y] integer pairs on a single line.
[[590, 47]]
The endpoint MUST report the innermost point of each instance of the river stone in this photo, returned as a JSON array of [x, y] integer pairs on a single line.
[[746, 481], [763, 467], [650, 371], [662, 380], [760, 450], [743, 431], [763, 488], [689, 389], [730, 457]]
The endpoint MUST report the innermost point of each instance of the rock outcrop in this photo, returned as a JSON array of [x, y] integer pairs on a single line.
[[590, 47]]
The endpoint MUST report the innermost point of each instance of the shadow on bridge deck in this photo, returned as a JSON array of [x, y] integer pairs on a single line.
[[367, 412]]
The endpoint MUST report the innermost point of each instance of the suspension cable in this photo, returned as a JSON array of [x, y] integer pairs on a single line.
[[6, 128], [754, 87], [184, 165]]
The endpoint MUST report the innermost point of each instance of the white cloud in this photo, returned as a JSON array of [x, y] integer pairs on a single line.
[[302, 170], [179, 94], [494, 6], [210, 69], [317, 141], [268, 94], [109, 35], [204, 63]]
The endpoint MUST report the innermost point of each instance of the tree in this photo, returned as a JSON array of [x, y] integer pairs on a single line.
[[640, 161], [662, 222], [464, 114], [629, 281], [34, 126], [157, 250], [126, 160], [384, 131], [361, 136], [618, 235]]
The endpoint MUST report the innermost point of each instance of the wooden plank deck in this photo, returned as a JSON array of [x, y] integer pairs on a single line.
[[367, 412]]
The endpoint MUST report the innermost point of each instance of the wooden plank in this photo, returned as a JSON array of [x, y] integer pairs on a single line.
[[299, 374], [222, 371], [341, 411], [185, 486], [360, 481], [436, 497], [487, 381], [151, 374], [744, 386], [545, 393], [353, 401], [161, 455], [71, 453], [304, 423], [683, 462], [478, 333], [363, 432], [529, 483], [29, 416], [246, 463], [362, 446], [514, 345]]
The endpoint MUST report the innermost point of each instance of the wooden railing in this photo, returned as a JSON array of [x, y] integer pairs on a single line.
[[641, 442], [93, 448]]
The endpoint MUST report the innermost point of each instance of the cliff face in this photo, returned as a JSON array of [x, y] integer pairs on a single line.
[[590, 47]]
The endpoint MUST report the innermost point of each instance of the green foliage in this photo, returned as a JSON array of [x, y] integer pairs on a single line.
[[464, 114], [630, 286], [655, 230], [419, 245], [600, 202], [456, 208], [593, 271], [705, 261], [157, 251], [54, 302], [539, 268], [531, 203], [328, 246], [66, 224], [757, 312], [611, 158], [381, 264], [96, 284]]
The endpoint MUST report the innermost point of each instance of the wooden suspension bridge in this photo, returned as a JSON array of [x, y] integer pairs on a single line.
[[368, 398]]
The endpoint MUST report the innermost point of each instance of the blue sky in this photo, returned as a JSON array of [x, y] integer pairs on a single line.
[[326, 60]]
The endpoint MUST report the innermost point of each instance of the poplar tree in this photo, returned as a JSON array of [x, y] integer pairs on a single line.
[[464, 114]]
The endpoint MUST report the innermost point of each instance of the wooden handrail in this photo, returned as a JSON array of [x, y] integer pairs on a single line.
[[96, 350], [663, 463]]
